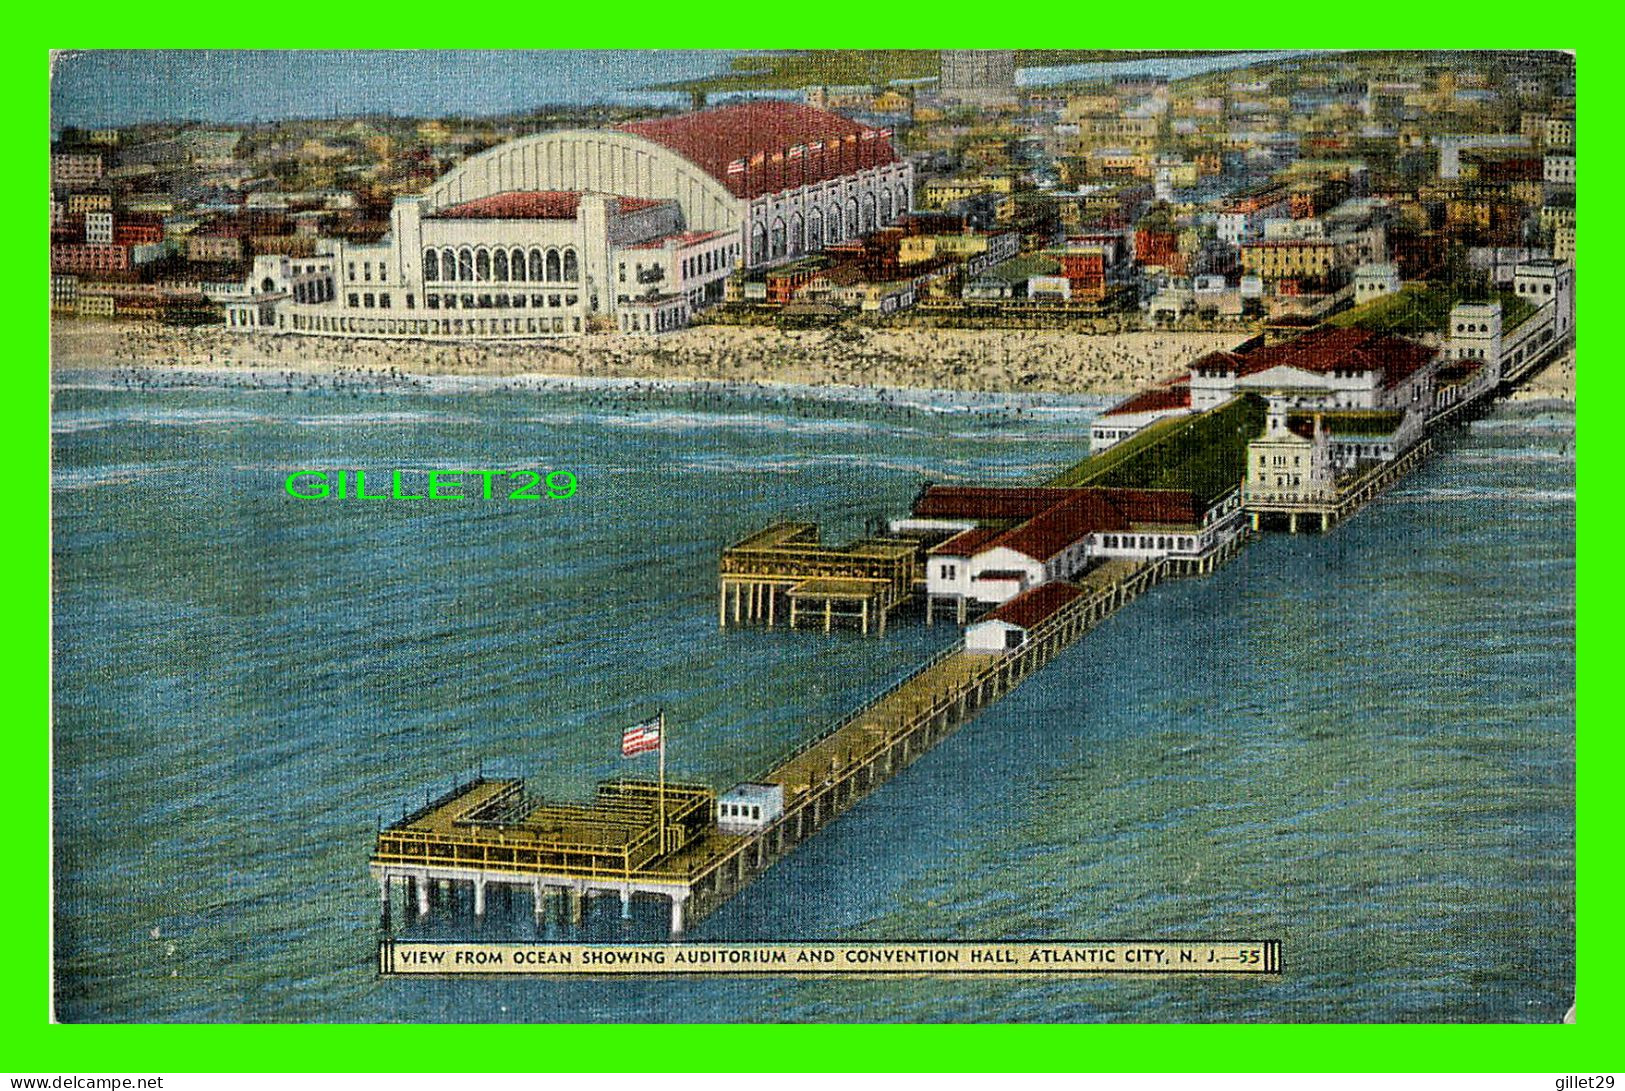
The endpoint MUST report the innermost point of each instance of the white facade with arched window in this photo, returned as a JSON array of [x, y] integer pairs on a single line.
[[829, 212], [547, 234]]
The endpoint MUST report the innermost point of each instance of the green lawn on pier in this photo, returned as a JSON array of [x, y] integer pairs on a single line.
[[1205, 453]]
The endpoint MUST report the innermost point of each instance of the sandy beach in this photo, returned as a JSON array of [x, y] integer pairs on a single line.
[[1554, 382], [1029, 361]]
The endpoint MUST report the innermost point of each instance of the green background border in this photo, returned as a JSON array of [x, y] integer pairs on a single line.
[[31, 1043]]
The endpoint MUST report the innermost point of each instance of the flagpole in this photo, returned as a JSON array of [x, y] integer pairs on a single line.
[[662, 782]]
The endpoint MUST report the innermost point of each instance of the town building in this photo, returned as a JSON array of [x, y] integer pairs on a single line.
[[214, 246], [1452, 145], [1241, 220], [99, 228], [941, 193], [1559, 168], [82, 257], [1374, 281], [1010, 279], [1286, 259], [1563, 243], [78, 204], [73, 169], [978, 75], [64, 291]]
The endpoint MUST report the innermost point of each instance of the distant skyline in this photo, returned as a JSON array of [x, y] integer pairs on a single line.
[[108, 88], [115, 88]]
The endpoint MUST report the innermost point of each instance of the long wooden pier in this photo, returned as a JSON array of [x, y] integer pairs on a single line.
[[445, 841], [625, 845]]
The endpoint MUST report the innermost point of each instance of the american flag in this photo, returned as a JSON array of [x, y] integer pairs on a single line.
[[641, 738], [885, 134], [798, 151], [736, 167], [869, 134]]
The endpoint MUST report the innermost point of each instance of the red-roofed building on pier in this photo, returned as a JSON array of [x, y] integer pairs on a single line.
[[1004, 542], [1323, 368], [637, 227], [1140, 411]]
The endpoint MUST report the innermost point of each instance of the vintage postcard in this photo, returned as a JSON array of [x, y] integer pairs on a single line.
[[814, 536]]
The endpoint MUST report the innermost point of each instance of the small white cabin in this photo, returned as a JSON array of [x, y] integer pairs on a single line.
[[1007, 627], [746, 808]]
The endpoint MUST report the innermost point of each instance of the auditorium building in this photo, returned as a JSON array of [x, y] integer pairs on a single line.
[[633, 228]]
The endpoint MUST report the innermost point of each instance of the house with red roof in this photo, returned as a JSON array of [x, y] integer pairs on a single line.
[[1006, 627], [1323, 368], [1139, 412], [1001, 543]]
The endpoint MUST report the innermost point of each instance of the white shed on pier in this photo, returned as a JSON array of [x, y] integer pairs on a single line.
[[746, 808]]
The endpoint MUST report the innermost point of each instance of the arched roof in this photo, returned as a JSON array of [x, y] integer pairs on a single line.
[[762, 147], [596, 160]]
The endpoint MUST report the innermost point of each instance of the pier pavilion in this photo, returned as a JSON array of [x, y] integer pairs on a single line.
[[490, 831], [784, 572]]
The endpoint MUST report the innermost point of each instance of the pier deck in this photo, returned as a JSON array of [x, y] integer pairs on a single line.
[[822, 778]]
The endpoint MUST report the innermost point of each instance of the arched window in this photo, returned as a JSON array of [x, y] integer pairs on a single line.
[[778, 238], [553, 270], [267, 285], [885, 206], [535, 265], [758, 244], [572, 268], [815, 230], [518, 263], [448, 265], [431, 265], [852, 223], [868, 212], [837, 224], [465, 264], [798, 237], [902, 199], [482, 264], [499, 265]]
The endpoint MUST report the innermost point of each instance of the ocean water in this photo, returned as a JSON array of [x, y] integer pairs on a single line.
[[1361, 744]]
